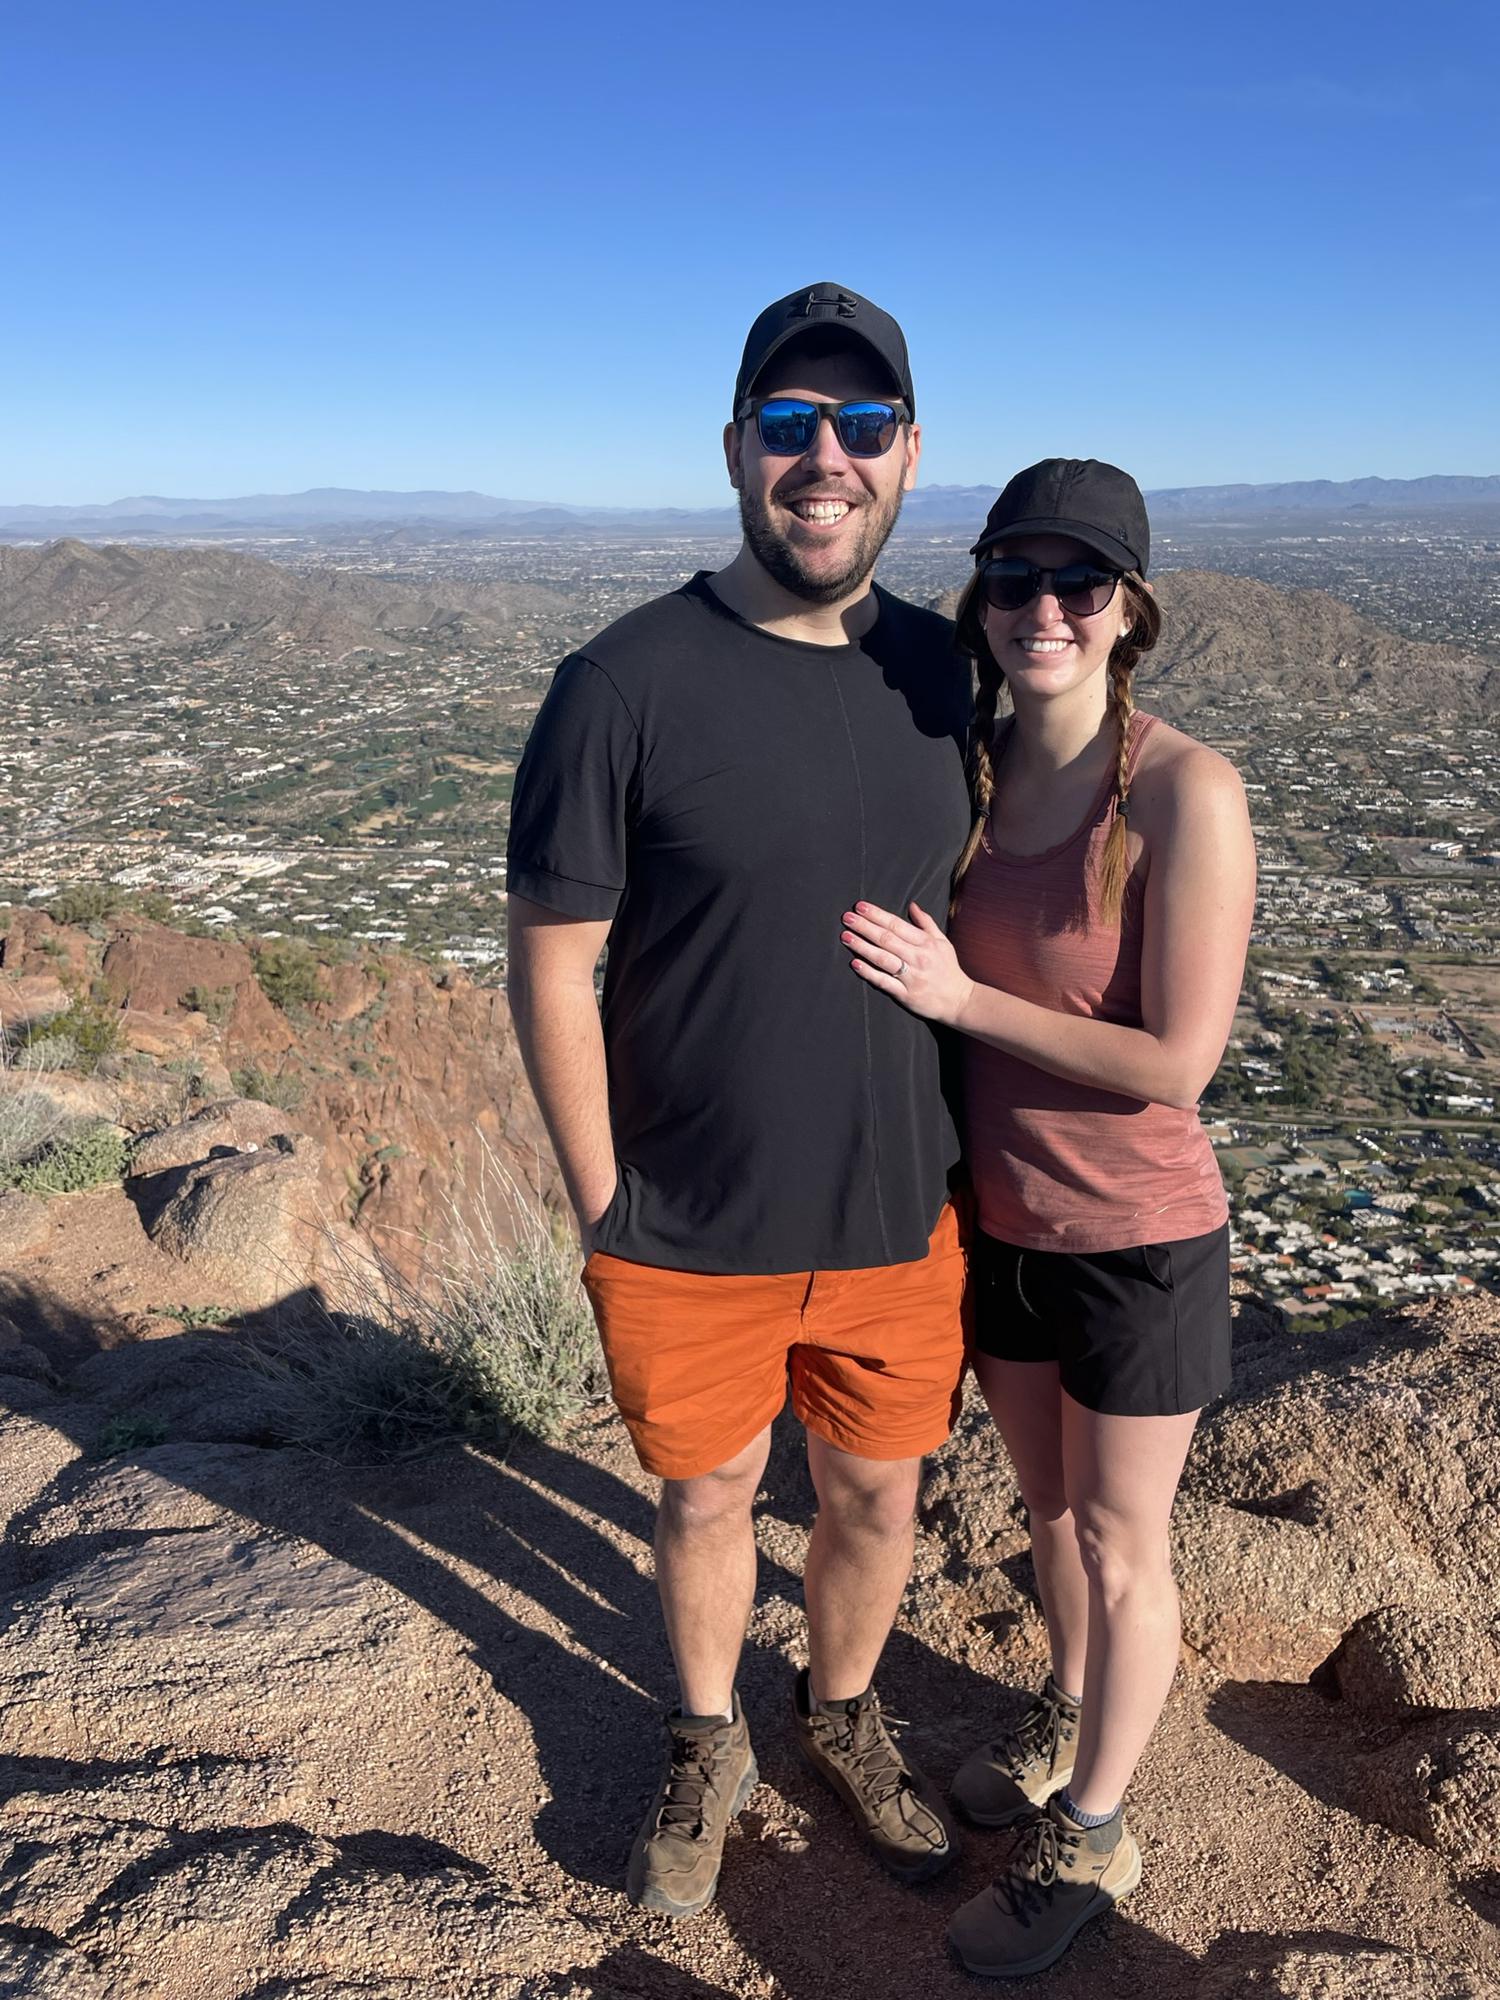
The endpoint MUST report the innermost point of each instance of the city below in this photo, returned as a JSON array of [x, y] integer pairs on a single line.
[[312, 734]]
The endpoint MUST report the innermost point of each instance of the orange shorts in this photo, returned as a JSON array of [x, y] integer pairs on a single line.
[[700, 1363]]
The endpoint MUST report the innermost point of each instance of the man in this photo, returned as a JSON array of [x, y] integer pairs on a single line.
[[758, 1150]]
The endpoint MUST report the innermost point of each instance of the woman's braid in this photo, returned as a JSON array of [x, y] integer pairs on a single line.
[[981, 767], [1138, 638]]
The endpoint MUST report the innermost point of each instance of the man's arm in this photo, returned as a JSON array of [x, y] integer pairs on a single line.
[[550, 983]]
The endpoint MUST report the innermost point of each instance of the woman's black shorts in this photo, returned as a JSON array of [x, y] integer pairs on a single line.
[[1142, 1332]]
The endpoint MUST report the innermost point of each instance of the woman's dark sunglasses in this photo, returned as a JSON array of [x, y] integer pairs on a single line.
[[1084, 589], [788, 425]]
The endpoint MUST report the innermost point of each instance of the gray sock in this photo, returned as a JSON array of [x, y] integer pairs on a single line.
[[1078, 1816]]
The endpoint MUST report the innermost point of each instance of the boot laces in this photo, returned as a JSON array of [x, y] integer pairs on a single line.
[[689, 1782], [1035, 1736], [1034, 1862], [863, 1738]]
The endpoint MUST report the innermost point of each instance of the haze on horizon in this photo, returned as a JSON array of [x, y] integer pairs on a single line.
[[330, 506], [516, 253]]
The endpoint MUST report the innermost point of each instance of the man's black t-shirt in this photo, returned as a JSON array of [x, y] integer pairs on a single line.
[[723, 795]]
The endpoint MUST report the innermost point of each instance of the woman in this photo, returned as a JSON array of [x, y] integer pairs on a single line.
[[1103, 907]]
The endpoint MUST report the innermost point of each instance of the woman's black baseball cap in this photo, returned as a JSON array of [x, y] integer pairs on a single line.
[[1083, 498], [833, 308]]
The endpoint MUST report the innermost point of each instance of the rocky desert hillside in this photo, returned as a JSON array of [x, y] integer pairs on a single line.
[[282, 1724], [1236, 635], [399, 1086], [220, 600]]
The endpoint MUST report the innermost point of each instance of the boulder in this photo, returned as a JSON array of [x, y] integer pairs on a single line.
[[1438, 1782], [1261, 1598], [1403, 1658], [31, 997], [69, 1096], [247, 1223], [153, 970], [1352, 1471], [235, 1124], [21, 1361], [34, 944], [167, 1037]]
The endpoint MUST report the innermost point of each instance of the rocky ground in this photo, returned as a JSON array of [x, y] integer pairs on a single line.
[[276, 1726]]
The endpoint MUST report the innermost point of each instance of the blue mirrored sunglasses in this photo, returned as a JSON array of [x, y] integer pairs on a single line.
[[788, 425]]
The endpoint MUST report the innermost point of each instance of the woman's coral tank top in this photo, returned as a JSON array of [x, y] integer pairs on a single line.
[[1059, 1165]]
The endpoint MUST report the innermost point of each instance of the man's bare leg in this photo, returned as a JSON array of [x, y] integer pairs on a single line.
[[705, 1574], [857, 1564]]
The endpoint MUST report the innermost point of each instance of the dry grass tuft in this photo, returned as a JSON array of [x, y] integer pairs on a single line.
[[45, 1149], [503, 1341]]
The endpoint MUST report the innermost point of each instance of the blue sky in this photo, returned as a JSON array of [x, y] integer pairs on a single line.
[[258, 246]]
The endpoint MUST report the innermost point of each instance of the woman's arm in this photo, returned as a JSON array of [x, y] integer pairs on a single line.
[[1199, 901]]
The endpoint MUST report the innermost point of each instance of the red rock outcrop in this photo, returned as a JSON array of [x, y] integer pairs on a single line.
[[153, 970], [409, 1077]]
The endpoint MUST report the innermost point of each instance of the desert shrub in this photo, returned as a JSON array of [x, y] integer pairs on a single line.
[[30, 1118], [137, 1430], [215, 1003], [187, 1085], [83, 902], [289, 973], [95, 1034], [80, 1157], [80, 1039], [503, 1342], [28, 1121], [284, 1088]]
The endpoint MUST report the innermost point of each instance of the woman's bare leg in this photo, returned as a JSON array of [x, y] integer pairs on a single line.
[[1121, 1476]]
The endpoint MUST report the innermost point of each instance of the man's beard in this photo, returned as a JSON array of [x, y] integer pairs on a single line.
[[874, 522]]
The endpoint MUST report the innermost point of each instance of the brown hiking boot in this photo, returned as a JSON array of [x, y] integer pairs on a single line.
[[895, 1807], [1056, 1876], [1020, 1770], [674, 1864]]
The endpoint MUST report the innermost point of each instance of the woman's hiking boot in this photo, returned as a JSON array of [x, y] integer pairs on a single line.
[[1055, 1876], [1020, 1770], [896, 1808], [674, 1864]]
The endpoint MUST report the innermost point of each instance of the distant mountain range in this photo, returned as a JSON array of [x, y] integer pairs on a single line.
[[930, 507]]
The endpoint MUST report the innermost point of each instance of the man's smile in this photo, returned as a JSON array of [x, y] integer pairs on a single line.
[[818, 509]]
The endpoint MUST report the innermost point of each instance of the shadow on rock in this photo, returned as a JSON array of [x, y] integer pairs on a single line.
[[588, 1674], [627, 1973]]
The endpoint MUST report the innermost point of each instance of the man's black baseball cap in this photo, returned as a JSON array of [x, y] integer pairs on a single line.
[[1083, 498], [813, 309]]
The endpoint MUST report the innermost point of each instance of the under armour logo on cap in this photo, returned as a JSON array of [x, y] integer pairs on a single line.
[[843, 305]]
